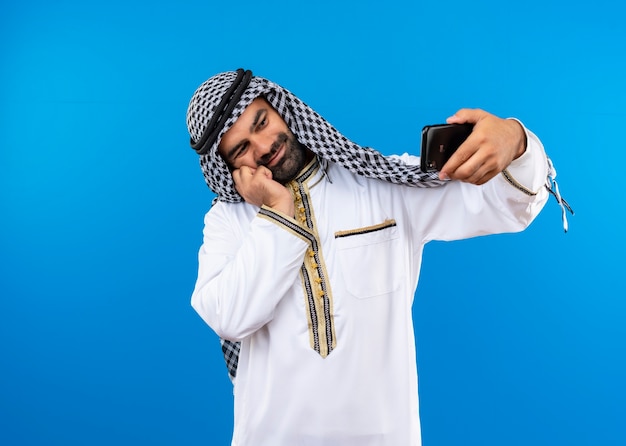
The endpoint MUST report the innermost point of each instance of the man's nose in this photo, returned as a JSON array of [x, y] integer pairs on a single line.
[[261, 145]]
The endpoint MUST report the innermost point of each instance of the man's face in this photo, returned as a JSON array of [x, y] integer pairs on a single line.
[[260, 137]]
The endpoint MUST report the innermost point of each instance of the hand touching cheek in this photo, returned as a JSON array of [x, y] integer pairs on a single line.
[[256, 186]]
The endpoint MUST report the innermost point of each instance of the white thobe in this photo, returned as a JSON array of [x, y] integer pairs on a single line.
[[322, 303]]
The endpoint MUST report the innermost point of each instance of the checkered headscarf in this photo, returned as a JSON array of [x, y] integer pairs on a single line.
[[210, 101]]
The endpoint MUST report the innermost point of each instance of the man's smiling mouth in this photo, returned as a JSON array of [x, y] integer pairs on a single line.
[[275, 159]]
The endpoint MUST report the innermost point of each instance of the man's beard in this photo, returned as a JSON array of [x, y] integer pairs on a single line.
[[293, 161]]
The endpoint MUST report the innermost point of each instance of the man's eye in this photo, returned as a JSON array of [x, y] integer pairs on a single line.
[[263, 122], [241, 151]]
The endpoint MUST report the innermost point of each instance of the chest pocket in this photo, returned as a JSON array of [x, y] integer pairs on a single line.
[[370, 259]]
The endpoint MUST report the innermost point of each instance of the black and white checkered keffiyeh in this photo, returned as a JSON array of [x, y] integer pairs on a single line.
[[230, 349], [310, 128]]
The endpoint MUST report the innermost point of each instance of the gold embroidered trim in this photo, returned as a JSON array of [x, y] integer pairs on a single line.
[[513, 182], [386, 224], [285, 221], [317, 291]]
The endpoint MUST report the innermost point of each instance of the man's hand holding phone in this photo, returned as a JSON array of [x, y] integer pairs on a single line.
[[490, 147]]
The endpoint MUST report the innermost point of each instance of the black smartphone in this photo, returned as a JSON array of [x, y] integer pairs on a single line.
[[439, 142]]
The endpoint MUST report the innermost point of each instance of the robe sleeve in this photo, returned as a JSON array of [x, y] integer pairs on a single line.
[[244, 270], [509, 202]]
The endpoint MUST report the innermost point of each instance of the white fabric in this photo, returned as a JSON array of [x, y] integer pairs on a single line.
[[249, 289]]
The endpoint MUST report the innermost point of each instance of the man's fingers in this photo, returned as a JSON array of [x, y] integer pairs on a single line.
[[461, 165], [465, 158], [262, 170]]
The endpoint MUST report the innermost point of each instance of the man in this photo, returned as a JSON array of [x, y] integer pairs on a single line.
[[312, 252]]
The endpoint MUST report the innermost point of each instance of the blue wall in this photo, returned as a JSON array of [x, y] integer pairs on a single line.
[[102, 200]]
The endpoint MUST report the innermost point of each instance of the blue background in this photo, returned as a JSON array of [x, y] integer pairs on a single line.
[[521, 338]]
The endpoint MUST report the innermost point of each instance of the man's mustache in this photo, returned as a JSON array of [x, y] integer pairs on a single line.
[[280, 140]]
